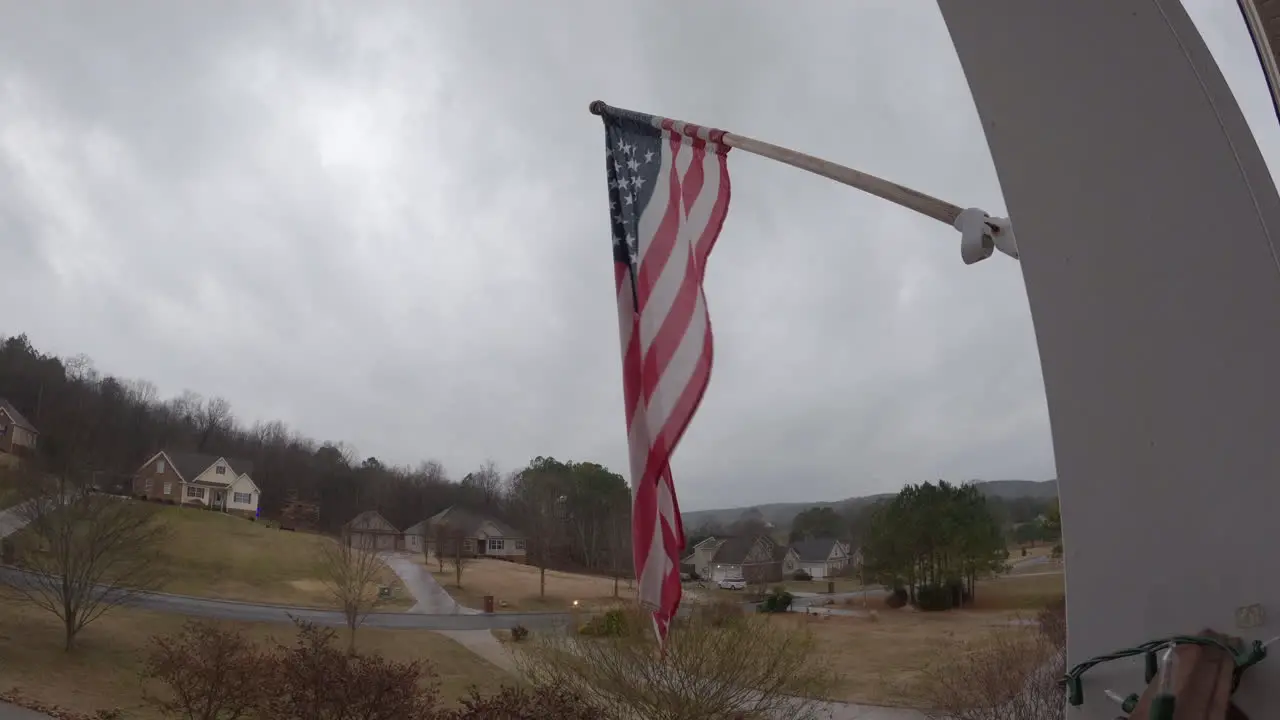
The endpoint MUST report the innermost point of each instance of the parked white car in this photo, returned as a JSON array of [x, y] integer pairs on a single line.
[[733, 584]]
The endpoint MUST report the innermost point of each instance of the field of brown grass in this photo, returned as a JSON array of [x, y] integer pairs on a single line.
[[518, 586], [102, 672], [883, 661], [222, 556]]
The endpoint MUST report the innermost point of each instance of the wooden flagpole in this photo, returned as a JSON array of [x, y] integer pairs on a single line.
[[928, 205]]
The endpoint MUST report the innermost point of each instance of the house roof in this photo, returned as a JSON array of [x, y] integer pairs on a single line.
[[418, 528], [371, 514], [18, 418], [814, 551], [734, 550], [467, 522], [190, 465]]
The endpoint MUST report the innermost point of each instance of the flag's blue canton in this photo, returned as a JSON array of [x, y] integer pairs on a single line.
[[633, 156]]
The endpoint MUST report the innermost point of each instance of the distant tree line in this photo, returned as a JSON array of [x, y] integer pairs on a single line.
[[99, 428], [932, 542]]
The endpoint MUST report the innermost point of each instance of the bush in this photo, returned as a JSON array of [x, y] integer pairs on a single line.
[[751, 668], [933, 598], [518, 703], [896, 599], [1052, 623], [777, 601], [803, 575], [518, 633], [614, 623], [1010, 675], [313, 680]]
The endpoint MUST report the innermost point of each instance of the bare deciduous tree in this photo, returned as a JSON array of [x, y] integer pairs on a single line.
[[713, 669], [82, 554], [351, 575]]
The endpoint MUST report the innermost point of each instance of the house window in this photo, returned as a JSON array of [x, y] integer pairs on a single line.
[[220, 470], [160, 466], [520, 545], [168, 488], [242, 498], [146, 486], [195, 492], [468, 545], [496, 544]]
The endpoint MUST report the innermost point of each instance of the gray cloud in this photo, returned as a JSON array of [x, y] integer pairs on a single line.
[[384, 223]]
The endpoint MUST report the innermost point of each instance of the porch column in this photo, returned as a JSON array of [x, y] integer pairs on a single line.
[[1147, 224]]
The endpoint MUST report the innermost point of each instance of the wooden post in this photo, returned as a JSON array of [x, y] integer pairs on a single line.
[[1201, 683]]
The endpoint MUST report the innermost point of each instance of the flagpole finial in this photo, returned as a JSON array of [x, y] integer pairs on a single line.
[[597, 107]]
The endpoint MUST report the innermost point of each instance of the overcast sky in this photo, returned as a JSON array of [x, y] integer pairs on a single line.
[[385, 223]]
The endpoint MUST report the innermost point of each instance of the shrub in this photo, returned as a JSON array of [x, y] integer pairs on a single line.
[[1052, 623], [896, 599], [934, 598], [1010, 675], [518, 633], [518, 703], [313, 680], [803, 575], [613, 623], [777, 601], [752, 668]]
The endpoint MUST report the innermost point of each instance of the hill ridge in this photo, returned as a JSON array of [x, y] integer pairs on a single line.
[[781, 514]]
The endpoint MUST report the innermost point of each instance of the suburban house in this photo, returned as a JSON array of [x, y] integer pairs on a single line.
[[481, 535], [755, 558], [17, 434], [208, 481], [822, 558], [371, 531]]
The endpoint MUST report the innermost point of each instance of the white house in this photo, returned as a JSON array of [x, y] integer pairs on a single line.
[[822, 558], [209, 481]]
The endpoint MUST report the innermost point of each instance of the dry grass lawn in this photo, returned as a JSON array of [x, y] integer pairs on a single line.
[[222, 556], [102, 673], [518, 586], [1029, 592], [883, 661]]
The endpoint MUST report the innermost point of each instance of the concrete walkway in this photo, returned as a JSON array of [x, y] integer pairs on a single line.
[[433, 599]]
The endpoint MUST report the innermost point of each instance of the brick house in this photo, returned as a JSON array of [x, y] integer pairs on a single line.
[[195, 479], [18, 436]]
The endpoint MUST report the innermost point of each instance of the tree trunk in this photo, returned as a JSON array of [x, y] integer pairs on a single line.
[[542, 579], [70, 626]]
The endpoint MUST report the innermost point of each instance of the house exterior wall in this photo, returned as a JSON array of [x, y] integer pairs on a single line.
[[14, 438], [1155, 311], [151, 481], [211, 476], [816, 571], [725, 572], [413, 542], [243, 485]]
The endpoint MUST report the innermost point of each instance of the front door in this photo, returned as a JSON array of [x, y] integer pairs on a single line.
[[217, 499]]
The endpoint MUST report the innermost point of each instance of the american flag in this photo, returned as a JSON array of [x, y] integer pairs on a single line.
[[668, 196]]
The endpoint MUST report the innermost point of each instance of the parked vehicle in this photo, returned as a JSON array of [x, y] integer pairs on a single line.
[[733, 584]]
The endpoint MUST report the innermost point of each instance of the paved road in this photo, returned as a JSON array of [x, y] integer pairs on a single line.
[[13, 712]]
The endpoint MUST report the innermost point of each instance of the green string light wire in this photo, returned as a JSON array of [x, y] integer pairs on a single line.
[[1243, 659]]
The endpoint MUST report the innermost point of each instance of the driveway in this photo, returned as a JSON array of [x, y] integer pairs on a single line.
[[433, 599]]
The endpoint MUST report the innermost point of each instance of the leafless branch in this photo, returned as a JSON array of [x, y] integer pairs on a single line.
[[712, 670], [82, 554], [351, 576]]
